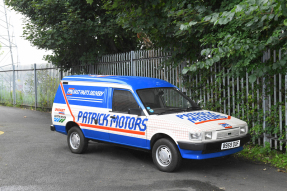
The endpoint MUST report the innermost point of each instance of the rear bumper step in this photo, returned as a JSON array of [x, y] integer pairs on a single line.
[[52, 127]]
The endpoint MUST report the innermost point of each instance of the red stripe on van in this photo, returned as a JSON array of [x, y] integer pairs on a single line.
[[63, 90], [113, 129], [229, 117]]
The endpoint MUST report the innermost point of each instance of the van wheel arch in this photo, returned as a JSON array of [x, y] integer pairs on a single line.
[[71, 124], [159, 136]]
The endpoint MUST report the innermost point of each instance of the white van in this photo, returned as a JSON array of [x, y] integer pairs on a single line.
[[143, 113]]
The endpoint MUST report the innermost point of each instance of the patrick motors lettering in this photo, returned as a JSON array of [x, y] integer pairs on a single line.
[[201, 116], [122, 122]]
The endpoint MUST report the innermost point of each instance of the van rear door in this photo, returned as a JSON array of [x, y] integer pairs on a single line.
[[88, 103]]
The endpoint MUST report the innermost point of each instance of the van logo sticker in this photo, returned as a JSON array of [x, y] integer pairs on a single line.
[[202, 117], [70, 91], [73, 91], [225, 125], [59, 118], [61, 111]]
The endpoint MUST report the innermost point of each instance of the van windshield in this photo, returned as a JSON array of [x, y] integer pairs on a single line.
[[166, 100]]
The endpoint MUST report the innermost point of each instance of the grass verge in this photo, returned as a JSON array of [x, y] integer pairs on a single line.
[[265, 154], [27, 107]]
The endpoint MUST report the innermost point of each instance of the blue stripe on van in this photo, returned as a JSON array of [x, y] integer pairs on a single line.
[[59, 97], [61, 129], [130, 141], [103, 136], [118, 139]]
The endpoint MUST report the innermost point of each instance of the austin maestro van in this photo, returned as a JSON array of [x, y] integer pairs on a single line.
[[143, 113]]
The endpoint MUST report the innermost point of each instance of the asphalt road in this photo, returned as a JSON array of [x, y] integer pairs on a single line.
[[34, 158]]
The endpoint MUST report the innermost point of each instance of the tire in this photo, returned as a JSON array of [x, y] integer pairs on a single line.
[[77, 141], [166, 156]]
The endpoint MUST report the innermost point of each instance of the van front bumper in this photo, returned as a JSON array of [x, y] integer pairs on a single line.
[[210, 149]]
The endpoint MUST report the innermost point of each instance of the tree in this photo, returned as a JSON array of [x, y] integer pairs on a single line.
[[240, 34], [153, 24], [236, 32], [73, 29]]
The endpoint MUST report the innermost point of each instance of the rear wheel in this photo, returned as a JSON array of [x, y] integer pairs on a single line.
[[77, 141], [166, 155]]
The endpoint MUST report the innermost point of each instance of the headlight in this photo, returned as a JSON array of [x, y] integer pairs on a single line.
[[208, 135], [195, 136], [243, 130]]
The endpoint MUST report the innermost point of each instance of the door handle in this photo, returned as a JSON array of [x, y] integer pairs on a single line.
[[113, 117], [96, 121]]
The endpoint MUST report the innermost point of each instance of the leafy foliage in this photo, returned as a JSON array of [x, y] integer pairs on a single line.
[[155, 27], [73, 29], [234, 33], [239, 35]]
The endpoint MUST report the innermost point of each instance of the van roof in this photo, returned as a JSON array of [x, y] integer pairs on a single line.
[[135, 82]]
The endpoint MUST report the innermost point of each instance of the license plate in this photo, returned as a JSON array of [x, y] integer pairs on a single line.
[[230, 145]]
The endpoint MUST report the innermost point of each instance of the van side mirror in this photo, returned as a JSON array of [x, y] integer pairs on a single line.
[[136, 111]]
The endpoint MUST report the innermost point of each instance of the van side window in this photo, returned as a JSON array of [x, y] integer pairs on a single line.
[[123, 100]]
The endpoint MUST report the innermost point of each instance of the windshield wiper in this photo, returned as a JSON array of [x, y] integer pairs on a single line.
[[178, 109], [171, 110], [193, 108]]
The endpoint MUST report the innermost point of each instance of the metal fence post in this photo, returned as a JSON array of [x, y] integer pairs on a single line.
[[265, 103], [61, 72], [285, 105], [265, 109], [133, 64], [35, 83], [14, 86]]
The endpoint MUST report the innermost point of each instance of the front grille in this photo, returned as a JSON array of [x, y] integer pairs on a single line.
[[227, 133]]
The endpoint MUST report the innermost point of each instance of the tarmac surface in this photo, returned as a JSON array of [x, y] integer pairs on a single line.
[[34, 158]]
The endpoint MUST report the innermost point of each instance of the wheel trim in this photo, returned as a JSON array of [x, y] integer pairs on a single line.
[[75, 140], [163, 155]]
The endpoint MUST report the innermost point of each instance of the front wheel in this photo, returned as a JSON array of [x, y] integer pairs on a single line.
[[165, 155], [77, 141]]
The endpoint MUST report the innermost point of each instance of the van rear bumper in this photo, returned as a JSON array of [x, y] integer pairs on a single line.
[[52, 128]]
